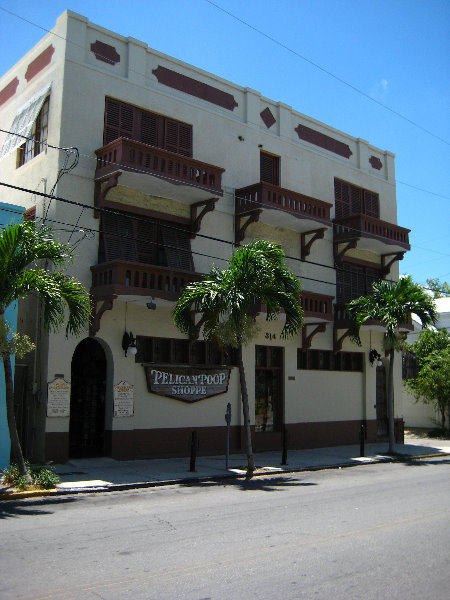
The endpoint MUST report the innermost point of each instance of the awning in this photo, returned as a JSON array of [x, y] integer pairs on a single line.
[[23, 122]]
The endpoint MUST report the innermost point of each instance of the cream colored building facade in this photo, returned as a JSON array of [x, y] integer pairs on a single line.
[[153, 170]]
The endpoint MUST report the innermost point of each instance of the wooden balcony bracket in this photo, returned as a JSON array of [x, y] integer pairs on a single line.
[[196, 219], [339, 254], [317, 234], [386, 266], [338, 340], [97, 314], [253, 217], [102, 187], [307, 339]]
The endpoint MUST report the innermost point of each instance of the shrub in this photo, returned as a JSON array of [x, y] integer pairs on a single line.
[[43, 477]]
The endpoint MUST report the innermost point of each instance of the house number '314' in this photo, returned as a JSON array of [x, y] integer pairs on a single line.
[[271, 336]]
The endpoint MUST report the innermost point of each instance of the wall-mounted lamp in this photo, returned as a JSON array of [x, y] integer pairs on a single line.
[[375, 356], [129, 343], [260, 145], [151, 305]]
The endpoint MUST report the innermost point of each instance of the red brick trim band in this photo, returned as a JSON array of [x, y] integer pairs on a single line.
[[324, 141], [39, 63], [8, 91], [105, 53], [376, 163], [195, 88]]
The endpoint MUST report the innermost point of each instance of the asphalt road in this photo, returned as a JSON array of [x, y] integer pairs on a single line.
[[370, 532]]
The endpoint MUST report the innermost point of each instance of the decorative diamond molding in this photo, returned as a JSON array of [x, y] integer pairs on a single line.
[[267, 117]]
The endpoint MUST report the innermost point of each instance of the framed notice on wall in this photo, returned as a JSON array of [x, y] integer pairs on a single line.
[[58, 398], [123, 399]]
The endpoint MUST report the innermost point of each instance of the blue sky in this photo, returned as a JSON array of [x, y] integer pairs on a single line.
[[313, 55]]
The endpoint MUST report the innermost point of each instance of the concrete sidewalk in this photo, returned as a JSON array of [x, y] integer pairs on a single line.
[[107, 474]]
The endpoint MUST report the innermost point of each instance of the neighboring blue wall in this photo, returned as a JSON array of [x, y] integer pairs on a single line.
[[8, 214]]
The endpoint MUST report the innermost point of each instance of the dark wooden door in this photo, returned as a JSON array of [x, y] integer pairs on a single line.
[[381, 403], [87, 401]]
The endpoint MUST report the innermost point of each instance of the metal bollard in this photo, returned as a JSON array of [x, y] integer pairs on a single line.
[[194, 444], [362, 439], [228, 422], [285, 445]]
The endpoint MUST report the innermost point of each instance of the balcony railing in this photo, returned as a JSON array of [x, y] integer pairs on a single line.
[[265, 195], [129, 155], [317, 306], [121, 278], [342, 319], [314, 305], [358, 226]]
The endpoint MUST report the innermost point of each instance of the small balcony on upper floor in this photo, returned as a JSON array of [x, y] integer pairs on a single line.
[[280, 207], [159, 172], [317, 308], [372, 234], [357, 224], [139, 283]]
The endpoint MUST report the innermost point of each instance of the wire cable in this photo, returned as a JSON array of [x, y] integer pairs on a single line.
[[277, 42]]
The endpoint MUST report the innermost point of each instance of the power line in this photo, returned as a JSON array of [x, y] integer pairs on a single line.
[[277, 42], [173, 227], [327, 72]]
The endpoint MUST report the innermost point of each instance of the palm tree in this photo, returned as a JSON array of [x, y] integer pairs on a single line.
[[21, 245], [392, 304], [225, 299]]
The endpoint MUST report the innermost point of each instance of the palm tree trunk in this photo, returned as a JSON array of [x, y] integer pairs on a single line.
[[246, 412], [16, 450], [390, 393]]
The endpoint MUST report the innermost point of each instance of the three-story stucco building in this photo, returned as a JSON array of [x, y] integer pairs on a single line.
[[154, 171]]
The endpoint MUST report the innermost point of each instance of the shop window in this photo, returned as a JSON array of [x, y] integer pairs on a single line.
[[409, 366], [125, 120], [326, 360], [268, 388], [182, 352]]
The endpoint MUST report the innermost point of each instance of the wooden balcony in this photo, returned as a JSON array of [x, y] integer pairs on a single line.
[[371, 234], [342, 321], [171, 175], [120, 278], [283, 208], [317, 308]]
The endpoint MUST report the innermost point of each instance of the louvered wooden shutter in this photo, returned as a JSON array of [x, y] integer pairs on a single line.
[[371, 204], [178, 137], [269, 168], [146, 241], [150, 130], [355, 200], [119, 119], [119, 237], [342, 199], [177, 246]]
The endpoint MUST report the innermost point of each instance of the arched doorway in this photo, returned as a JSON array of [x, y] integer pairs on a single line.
[[381, 402], [87, 400]]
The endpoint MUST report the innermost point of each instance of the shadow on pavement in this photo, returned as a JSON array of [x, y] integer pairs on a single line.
[[261, 483], [23, 508]]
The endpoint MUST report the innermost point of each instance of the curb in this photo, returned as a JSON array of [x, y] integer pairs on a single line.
[[120, 487]]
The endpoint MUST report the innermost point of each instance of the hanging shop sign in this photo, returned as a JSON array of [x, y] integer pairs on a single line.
[[58, 398], [188, 384], [123, 399]]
